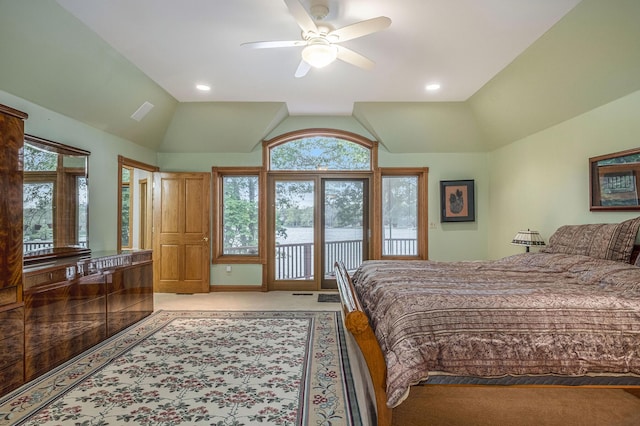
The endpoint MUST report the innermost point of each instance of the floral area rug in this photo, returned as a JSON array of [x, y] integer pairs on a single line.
[[201, 367]]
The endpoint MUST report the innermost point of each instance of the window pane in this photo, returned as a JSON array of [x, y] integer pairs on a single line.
[[38, 160], [320, 153], [343, 224], [126, 175], [38, 216], [240, 215], [400, 215], [294, 206]]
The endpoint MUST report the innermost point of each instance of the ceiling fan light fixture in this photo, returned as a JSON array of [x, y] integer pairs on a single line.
[[319, 54], [320, 40]]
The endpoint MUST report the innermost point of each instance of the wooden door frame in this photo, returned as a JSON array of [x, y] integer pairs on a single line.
[[269, 268], [317, 178]]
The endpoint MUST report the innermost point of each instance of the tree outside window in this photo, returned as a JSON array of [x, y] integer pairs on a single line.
[[399, 215], [320, 153], [38, 195], [240, 215]]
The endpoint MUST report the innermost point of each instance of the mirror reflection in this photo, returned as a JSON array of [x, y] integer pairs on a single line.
[[135, 222], [55, 199], [135, 209]]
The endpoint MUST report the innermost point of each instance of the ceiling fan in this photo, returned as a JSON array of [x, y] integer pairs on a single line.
[[320, 40]]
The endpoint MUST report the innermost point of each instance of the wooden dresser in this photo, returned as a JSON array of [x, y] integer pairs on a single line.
[[71, 304]]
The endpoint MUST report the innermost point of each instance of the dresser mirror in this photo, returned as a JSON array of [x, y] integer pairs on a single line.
[[614, 181], [55, 200]]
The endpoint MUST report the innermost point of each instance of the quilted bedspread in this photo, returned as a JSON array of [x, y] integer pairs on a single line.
[[528, 314]]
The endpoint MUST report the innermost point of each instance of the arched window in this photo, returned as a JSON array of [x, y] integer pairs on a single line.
[[320, 150], [318, 197]]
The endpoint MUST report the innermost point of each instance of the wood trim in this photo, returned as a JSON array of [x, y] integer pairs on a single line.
[[10, 306], [124, 161], [268, 144], [237, 288], [13, 112], [306, 133], [422, 173], [146, 214], [218, 201], [58, 147]]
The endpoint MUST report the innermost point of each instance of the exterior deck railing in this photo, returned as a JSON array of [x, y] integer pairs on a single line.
[[28, 246], [295, 261]]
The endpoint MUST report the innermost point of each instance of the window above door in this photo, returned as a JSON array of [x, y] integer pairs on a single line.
[[320, 150]]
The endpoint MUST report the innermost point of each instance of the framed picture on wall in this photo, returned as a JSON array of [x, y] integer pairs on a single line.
[[614, 181], [457, 201]]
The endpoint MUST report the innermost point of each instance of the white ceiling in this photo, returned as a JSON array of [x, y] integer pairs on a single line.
[[460, 44]]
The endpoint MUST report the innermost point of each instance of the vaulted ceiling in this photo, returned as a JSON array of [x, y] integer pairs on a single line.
[[508, 68]]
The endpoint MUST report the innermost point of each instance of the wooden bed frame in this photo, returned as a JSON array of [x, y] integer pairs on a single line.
[[357, 322]]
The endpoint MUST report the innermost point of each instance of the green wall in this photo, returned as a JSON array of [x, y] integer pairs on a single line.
[[542, 181]]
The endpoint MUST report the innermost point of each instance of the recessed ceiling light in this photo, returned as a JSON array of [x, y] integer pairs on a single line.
[[432, 87], [203, 87]]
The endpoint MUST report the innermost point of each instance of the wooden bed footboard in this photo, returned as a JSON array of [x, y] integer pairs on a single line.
[[357, 322]]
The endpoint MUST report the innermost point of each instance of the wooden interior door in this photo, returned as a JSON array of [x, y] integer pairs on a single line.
[[181, 232]]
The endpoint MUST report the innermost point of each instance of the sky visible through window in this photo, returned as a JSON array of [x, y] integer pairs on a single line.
[[320, 153]]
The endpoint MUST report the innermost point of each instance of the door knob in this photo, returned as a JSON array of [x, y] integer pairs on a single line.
[[205, 239]]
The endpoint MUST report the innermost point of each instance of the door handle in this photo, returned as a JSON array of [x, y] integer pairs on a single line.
[[205, 239]]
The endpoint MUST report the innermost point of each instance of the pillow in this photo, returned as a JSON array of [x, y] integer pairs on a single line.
[[611, 241]]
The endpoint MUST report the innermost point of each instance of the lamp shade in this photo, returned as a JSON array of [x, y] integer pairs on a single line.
[[319, 53], [528, 238]]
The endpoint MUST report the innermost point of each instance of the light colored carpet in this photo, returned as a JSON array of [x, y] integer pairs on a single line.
[[495, 406], [205, 367]]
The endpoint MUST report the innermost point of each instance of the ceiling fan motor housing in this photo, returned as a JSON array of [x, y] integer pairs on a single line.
[[319, 11]]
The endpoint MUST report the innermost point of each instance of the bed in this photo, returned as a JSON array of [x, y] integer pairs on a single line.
[[567, 315]]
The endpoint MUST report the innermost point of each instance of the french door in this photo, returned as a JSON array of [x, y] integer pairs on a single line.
[[313, 221]]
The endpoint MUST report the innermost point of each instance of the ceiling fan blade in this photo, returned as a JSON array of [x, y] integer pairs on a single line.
[[305, 21], [361, 28], [354, 58], [272, 44], [303, 69]]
